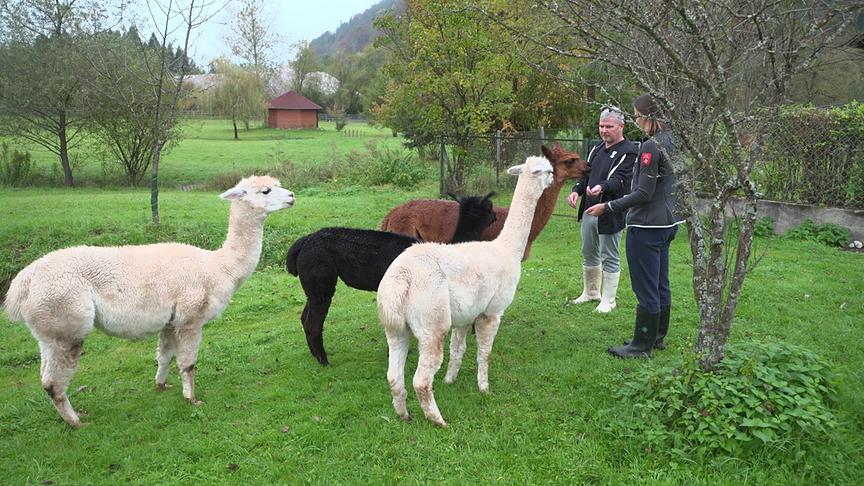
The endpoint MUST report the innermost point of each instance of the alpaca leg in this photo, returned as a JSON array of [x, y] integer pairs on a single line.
[[59, 361], [165, 351], [313, 326], [431, 357], [398, 343], [188, 339], [487, 328], [319, 285], [457, 350]]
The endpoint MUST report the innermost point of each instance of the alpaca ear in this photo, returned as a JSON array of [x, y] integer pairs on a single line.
[[546, 152], [233, 193], [490, 195], [453, 196], [516, 169]]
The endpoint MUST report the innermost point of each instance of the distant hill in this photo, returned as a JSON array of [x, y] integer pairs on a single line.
[[353, 36]]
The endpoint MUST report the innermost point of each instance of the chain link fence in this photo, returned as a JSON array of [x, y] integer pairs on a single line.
[[814, 156], [483, 166]]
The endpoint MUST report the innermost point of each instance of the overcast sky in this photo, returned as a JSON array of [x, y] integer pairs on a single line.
[[291, 20]]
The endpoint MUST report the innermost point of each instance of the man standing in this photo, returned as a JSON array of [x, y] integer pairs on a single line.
[[611, 163]]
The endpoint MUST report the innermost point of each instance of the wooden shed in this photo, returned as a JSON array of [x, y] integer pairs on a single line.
[[292, 110]]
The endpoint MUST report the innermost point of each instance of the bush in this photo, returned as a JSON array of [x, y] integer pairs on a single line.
[[764, 226], [16, 168], [374, 167], [760, 395], [379, 166], [829, 233]]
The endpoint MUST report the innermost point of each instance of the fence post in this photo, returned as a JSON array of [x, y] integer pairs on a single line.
[[442, 154], [542, 135], [498, 157]]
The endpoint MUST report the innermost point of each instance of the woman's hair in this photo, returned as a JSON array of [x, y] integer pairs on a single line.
[[647, 106]]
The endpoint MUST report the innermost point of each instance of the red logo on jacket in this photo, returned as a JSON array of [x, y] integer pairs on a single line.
[[646, 158]]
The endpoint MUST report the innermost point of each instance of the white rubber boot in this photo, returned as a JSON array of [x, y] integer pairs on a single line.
[[591, 285], [610, 290]]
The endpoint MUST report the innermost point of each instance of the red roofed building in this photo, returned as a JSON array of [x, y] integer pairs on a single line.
[[291, 110]]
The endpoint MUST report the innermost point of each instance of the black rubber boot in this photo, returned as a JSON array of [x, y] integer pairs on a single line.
[[644, 337], [662, 328]]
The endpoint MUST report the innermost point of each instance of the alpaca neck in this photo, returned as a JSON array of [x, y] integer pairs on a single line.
[[518, 225], [545, 208], [239, 255]]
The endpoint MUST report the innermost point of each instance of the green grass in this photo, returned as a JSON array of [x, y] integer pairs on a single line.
[[271, 414], [208, 148]]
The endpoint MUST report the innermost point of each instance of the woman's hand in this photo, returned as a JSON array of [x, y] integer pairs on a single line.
[[596, 210], [573, 200]]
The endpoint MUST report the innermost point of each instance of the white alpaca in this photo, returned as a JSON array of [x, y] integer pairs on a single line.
[[431, 288], [137, 291]]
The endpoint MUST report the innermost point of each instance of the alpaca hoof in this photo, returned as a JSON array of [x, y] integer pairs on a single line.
[[484, 388], [439, 422], [195, 402], [162, 386], [449, 379], [406, 418]]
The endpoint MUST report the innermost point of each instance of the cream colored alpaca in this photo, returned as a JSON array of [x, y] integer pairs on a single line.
[[431, 288], [136, 291]]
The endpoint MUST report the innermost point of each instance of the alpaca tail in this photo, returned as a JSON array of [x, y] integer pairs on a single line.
[[18, 291], [392, 298], [293, 253]]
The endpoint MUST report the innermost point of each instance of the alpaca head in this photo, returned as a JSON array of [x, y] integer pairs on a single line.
[[567, 164], [476, 210], [263, 192], [536, 172]]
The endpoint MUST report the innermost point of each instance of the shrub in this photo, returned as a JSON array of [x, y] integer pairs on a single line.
[[16, 168], [378, 166], [760, 395], [764, 226], [828, 233], [373, 167]]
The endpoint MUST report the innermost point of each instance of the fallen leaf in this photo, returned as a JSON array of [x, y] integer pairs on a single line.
[[317, 418], [233, 467], [286, 429]]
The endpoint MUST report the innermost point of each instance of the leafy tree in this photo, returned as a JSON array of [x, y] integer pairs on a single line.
[[43, 73], [251, 39], [450, 75], [303, 64], [238, 94]]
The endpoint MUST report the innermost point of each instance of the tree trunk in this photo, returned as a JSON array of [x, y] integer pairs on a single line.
[[154, 184], [64, 152], [234, 122]]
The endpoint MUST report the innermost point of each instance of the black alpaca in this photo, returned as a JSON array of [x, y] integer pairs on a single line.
[[360, 257]]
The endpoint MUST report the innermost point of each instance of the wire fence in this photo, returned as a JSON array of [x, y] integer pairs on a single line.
[[814, 157], [482, 166], [817, 162]]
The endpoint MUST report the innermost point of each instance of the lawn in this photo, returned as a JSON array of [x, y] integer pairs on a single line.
[[271, 414], [208, 148]]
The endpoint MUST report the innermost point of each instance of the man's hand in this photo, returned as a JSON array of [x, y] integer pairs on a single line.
[[573, 200], [596, 210], [594, 191]]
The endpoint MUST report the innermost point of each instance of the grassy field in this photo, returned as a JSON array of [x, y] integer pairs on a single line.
[[271, 414], [208, 148]]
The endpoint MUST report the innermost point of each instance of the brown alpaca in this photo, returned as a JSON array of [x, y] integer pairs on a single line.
[[434, 219]]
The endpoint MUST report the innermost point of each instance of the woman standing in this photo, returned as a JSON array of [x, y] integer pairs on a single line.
[[651, 227]]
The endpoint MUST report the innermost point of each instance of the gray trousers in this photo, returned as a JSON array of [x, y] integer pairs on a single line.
[[597, 248]]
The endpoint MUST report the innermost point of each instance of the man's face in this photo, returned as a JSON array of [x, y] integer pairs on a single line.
[[610, 130]]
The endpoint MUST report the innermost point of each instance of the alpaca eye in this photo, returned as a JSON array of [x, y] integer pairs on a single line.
[[266, 191]]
